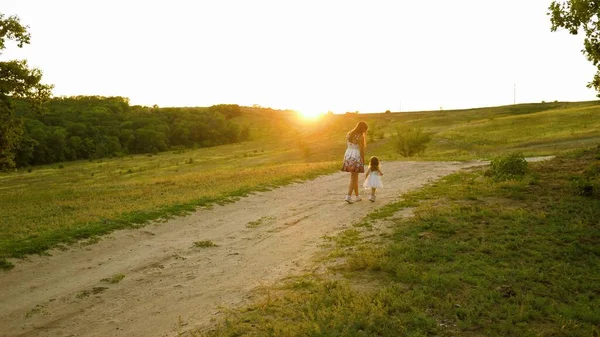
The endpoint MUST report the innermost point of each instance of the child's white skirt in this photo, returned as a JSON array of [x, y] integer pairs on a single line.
[[373, 181]]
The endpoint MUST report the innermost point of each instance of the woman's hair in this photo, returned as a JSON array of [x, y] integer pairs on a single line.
[[374, 164], [360, 128]]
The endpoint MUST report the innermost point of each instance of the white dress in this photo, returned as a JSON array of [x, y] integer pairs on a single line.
[[373, 180]]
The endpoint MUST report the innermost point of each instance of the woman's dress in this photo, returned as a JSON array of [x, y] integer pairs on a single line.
[[352, 159]]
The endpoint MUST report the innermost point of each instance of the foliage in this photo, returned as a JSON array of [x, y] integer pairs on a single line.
[[583, 186], [411, 141], [588, 182], [84, 127], [576, 15], [17, 80], [6, 265], [510, 166], [375, 132], [227, 110], [114, 279]]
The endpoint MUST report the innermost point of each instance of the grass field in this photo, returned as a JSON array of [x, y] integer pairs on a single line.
[[62, 203], [479, 257], [52, 206]]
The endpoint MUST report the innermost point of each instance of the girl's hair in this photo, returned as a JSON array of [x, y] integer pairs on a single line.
[[360, 128], [374, 164]]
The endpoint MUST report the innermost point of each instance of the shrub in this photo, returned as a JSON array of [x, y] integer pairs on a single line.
[[588, 184], [375, 132], [6, 265], [509, 166], [410, 142], [582, 186]]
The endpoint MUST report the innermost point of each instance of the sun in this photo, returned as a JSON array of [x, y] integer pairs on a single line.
[[310, 114]]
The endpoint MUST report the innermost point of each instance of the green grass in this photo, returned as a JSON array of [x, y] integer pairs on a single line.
[[480, 257], [48, 207], [114, 279], [6, 265], [51, 205], [534, 129], [260, 222], [204, 244], [93, 291]]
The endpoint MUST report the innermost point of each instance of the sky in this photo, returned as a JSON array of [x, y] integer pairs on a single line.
[[312, 56]]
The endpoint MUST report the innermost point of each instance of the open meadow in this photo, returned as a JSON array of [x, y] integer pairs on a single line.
[[137, 199], [63, 203], [475, 253]]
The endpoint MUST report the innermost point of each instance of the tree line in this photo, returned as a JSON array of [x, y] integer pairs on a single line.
[[36, 129], [88, 127]]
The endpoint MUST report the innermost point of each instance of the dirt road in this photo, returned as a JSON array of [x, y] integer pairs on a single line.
[[260, 239]]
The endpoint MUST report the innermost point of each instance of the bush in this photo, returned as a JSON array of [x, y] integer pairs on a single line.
[[375, 132], [6, 265], [410, 142], [510, 166], [583, 187], [588, 184]]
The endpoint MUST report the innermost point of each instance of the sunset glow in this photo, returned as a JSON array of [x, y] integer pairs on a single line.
[[339, 56], [310, 114]]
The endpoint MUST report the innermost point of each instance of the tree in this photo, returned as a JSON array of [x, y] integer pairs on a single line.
[[17, 80], [576, 16]]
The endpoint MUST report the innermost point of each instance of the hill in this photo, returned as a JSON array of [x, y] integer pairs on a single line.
[[48, 205]]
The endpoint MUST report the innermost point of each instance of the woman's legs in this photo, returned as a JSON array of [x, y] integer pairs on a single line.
[[351, 185]]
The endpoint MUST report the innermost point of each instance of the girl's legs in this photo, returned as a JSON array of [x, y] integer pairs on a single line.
[[372, 197]]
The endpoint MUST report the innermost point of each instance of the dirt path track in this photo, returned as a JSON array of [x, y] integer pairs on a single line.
[[168, 280]]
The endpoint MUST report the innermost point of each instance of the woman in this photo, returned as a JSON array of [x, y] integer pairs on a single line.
[[354, 158]]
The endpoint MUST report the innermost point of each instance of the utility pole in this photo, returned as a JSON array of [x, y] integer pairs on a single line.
[[514, 94]]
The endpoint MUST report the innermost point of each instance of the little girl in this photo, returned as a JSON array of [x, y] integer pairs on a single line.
[[373, 177]]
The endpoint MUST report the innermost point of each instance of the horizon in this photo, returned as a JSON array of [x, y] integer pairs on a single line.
[[341, 113], [312, 56]]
